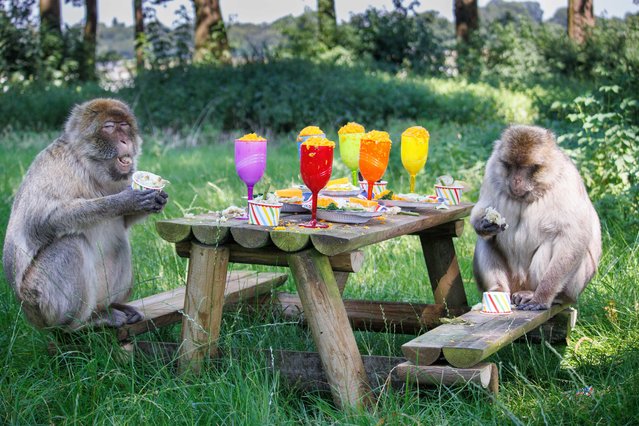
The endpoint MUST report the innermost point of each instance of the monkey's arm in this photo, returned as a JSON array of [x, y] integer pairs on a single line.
[[79, 214]]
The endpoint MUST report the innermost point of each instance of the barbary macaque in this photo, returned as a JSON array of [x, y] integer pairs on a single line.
[[546, 248], [67, 254]]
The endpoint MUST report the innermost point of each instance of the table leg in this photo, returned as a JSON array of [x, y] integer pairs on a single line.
[[204, 300], [326, 316], [443, 270], [341, 278]]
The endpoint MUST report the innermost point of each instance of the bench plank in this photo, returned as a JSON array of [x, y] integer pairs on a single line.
[[164, 308], [465, 344]]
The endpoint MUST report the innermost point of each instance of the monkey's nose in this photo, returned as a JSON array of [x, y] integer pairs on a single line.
[[122, 141]]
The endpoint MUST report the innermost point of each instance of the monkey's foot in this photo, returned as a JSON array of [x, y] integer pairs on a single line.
[[533, 307], [132, 314], [522, 297]]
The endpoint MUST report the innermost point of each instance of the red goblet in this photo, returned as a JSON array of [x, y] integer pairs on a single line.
[[316, 165]]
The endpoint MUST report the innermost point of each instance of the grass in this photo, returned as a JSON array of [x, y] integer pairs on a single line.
[[102, 385]]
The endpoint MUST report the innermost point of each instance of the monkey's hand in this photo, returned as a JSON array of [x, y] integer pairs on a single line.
[[526, 301], [486, 228], [147, 201]]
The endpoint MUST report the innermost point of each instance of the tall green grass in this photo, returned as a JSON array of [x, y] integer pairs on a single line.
[[101, 384]]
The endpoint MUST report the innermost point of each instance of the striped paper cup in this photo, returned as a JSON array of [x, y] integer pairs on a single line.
[[451, 194], [378, 187], [265, 214], [496, 302]]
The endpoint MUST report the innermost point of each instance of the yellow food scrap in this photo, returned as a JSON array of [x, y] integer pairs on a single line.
[[362, 202], [324, 202], [289, 193], [351, 128], [417, 132], [340, 181], [279, 228], [252, 137], [377, 136], [381, 194], [318, 141]]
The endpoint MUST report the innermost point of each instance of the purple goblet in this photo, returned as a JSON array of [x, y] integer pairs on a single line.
[[250, 162]]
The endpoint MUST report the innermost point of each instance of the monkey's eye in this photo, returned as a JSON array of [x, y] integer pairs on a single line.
[[124, 125], [108, 127]]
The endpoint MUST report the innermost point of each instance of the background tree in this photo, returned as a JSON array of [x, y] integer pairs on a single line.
[[138, 17], [89, 37], [327, 22], [580, 17], [51, 32], [466, 19], [211, 41]]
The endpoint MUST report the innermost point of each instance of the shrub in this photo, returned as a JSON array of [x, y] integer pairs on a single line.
[[606, 148]]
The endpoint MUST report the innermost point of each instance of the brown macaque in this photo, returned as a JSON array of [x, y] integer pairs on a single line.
[[67, 254], [550, 248]]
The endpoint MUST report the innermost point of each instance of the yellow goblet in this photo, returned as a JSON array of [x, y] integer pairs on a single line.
[[414, 151]]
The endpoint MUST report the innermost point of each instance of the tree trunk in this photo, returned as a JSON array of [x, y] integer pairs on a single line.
[[50, 16], [87, 71], [51, 34], [580, 16], [466, 19], [211, 42], [138, 15], [327, 22]]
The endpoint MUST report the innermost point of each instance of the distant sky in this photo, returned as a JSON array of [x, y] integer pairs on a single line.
[[258, 11]]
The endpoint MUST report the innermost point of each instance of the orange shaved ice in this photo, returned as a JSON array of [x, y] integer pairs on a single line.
[[251, 137], [377, 136], [351, 128], [417, 132], [310, 131], [317, 141]]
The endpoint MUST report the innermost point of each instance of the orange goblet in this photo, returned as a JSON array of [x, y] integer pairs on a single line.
[[374, 152]]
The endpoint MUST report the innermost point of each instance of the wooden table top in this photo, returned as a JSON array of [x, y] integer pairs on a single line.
[[290, 237]]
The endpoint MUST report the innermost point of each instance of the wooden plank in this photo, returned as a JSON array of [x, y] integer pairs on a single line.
[[341, 278], [556, 330], [483, 374], [399, 317], [343, 262], [450, 229], [204, 300], [290, 241], [340, 238], [251, 236], [164, 308], [443, 270], [211, 233], [332, 334], [475, 337], [174, 230]]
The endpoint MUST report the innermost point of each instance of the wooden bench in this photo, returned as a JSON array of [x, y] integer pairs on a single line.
[[476, 336], [167, 308]]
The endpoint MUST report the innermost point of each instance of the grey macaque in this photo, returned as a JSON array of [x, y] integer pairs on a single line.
[[67, 254], [551, 247]]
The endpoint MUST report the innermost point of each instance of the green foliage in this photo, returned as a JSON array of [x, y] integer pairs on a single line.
[[606, 147]]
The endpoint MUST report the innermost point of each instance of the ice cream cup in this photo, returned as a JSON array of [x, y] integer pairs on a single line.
[[496, 302], [378, 187], [451, 194], [145, 180], [264, 214]]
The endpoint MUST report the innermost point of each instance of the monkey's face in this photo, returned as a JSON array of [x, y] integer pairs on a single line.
[[526, 162], [116, 145]]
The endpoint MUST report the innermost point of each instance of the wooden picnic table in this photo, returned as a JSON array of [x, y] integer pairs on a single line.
[[320, 261]]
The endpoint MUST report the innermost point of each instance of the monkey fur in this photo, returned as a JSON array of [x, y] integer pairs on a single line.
[[551, 249], [67, 254]]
